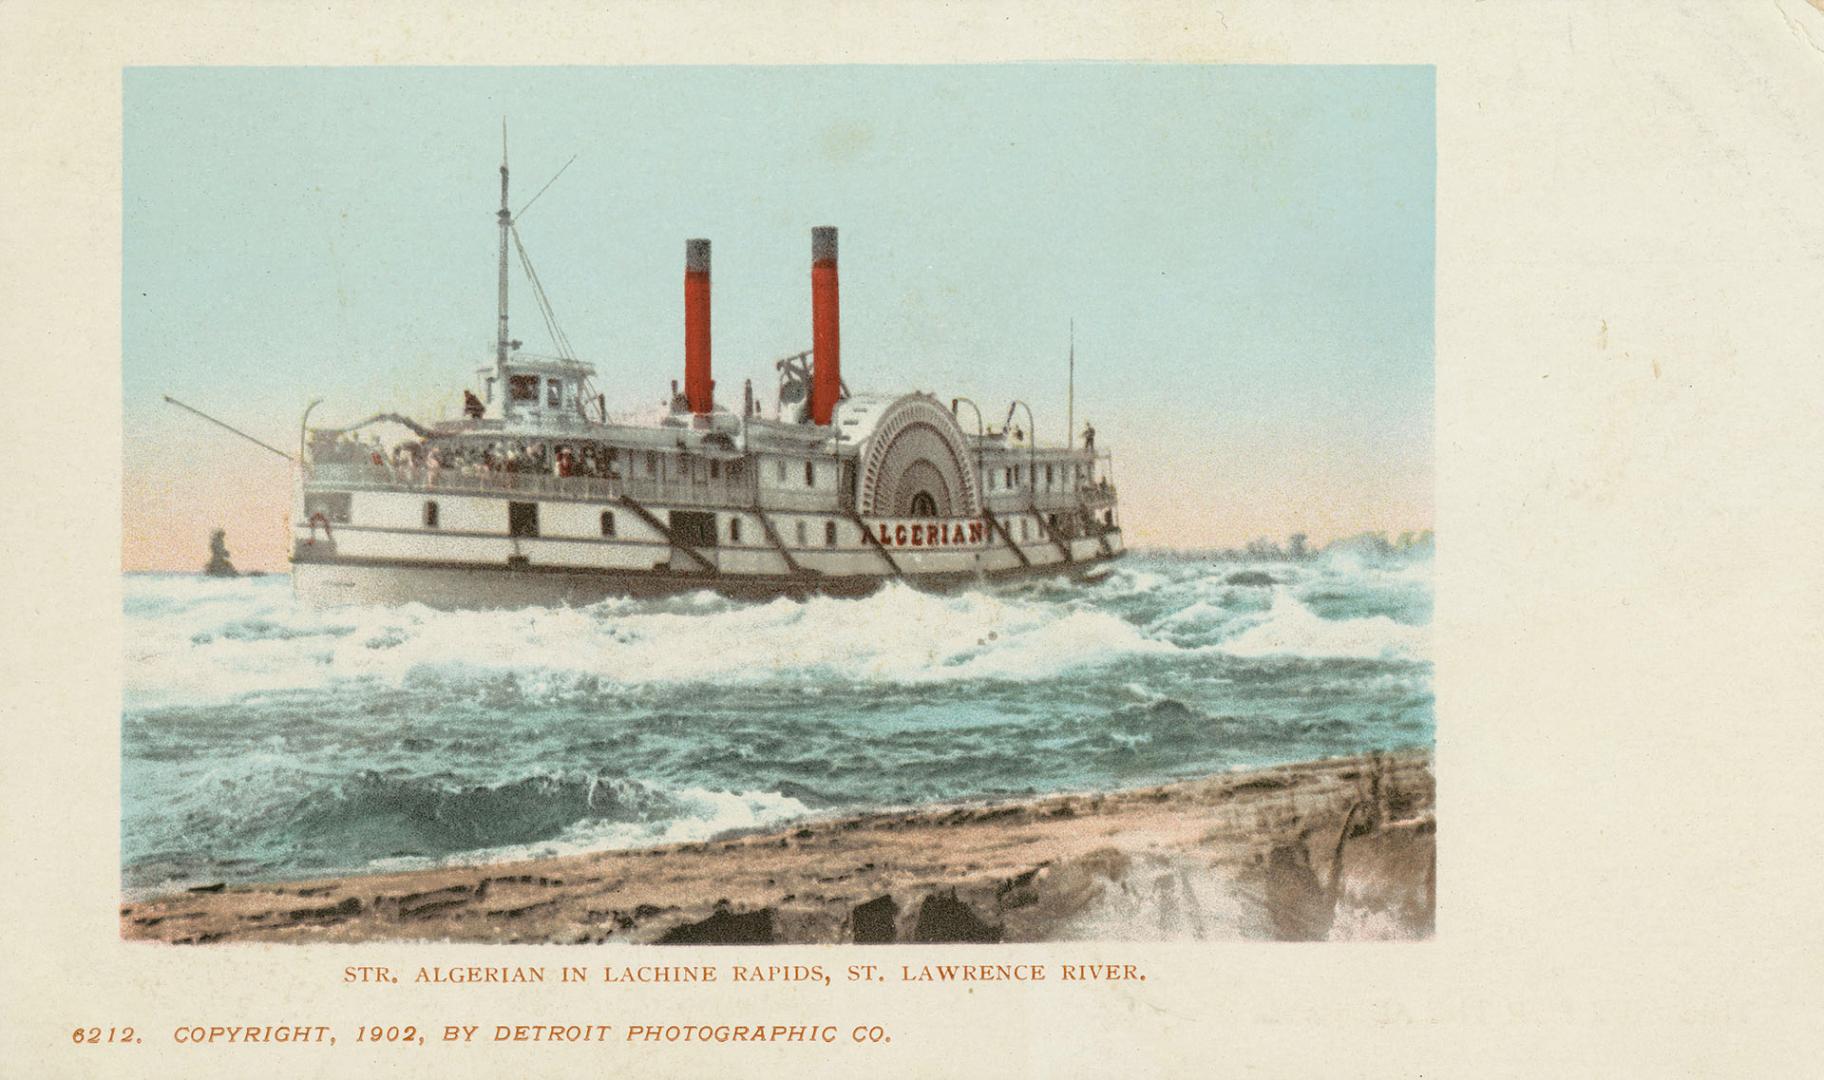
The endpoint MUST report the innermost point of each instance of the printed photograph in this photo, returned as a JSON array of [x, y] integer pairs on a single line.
[[746, 505]]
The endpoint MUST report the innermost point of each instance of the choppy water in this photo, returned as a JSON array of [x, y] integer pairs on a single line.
[[264, 739]]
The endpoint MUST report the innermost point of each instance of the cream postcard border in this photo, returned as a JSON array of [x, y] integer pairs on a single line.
[[1630, 370]]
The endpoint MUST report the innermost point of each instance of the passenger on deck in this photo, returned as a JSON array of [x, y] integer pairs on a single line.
[[1089, 436]]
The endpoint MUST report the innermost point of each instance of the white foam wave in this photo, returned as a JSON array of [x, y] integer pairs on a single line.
[[195, 641], [1289, 628], [700, 813], [249, 640]]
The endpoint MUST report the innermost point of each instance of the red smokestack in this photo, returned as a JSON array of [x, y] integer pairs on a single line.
[[826, 326], [699, 388]]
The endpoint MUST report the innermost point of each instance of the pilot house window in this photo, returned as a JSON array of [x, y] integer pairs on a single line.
[[522, 387], [554, 393]]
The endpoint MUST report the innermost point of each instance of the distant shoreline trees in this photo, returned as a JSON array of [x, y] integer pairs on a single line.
[[1298, 548]]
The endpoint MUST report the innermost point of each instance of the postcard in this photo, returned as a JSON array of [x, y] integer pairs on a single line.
[[1027, 556]]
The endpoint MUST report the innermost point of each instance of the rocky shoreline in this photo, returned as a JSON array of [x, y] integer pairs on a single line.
[[1343, 848]]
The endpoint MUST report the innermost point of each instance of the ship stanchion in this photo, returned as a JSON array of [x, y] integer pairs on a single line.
[[791, 564], [878, 546], [665, 530], [1101, 533], [1063, 548], [995, 524]]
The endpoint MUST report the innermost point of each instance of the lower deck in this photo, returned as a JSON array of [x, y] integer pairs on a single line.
[[471, 550]]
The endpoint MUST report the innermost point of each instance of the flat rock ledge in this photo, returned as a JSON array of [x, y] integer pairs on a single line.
[[1343, 848]]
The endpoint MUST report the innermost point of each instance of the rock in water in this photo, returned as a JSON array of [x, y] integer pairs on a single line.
[[219, 566], [1251, 577]]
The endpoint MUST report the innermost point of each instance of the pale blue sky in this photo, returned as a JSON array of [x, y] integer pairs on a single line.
[[1247, 252]]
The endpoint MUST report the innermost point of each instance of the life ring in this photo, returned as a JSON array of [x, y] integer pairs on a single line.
[[327, 534]]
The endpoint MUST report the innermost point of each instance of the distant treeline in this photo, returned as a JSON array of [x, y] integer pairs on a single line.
[[1298, 547]]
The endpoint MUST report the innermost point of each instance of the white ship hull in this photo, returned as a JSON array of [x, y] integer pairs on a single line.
[[367, 536], [338, 581]]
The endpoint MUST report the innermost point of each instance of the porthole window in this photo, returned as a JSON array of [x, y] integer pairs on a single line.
[[607, 522]]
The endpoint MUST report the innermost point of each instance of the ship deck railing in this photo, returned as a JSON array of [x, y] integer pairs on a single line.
[[662, 491], [720, 492]]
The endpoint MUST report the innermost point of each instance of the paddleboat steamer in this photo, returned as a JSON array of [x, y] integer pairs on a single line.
[[538, 496]]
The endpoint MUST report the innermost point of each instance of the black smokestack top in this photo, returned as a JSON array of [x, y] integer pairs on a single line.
[[699, 387], [823, 243]]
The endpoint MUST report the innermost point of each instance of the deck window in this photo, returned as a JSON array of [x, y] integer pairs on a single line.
[[607, 522], [734, 530], [1023, 534], [991, 479], [1009, 479], [782, 470], [1048, 476], [430, 514], [829, 534], [802, 540], [522, 519], [715, 469], [810, 474]]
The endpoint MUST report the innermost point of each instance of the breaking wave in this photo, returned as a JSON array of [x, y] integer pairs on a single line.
[[261, 738]]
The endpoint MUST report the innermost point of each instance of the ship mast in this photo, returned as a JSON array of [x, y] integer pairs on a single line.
[[506, 223]]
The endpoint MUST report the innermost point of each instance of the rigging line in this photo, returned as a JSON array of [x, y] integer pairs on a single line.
[[544, 189], [558, 338], [526, 266]]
